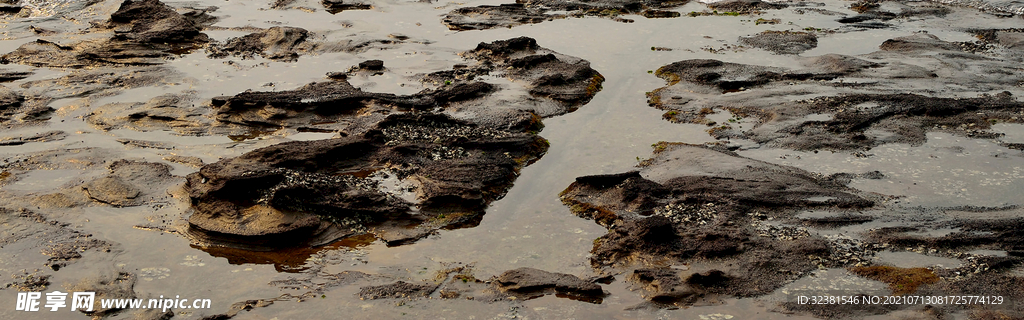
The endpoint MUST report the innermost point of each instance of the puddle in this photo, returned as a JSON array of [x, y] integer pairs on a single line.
[[168, 136], [934, 233], [42, 180], [946, 171], [390, 183], [1012, 132], [815, 214], [294, 260], [907, 259], [990, 253], [819, 199], [838, 282], [306, 136], [725, 118]]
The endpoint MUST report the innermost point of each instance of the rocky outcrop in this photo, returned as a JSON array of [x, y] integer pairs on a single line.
[[311, 192], [695, 203], [144, 33], [527, 283], [275, 43], [782, 42], [535, 11], [840, 109]]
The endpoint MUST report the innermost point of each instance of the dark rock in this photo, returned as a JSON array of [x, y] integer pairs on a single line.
[[556, 84], [727, 76], [534, 11], [30, 282], [400, 289], [663, 285], [866, 17], [301, 193], [9, 10], [916, 114], [335, 6], [372, 65], [151, 21], [595, 7], [331, 100], [276, 43], [146, 144], [1003, 234], [694, 203], [710, 279], [488, 17], [607, 180], [145, 33], [280, 4], [298, 192], [840, 64], [565, 79], [837, 221], [651, 14], [530, 282], [745, 6], [656, 236], [782, 42], [870, 25], [852, 118], [8, 76], [200, 17], [917, 42], [871, 10]]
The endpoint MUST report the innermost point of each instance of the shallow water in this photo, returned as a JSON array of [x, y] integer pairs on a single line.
[[529, 227], [946, 171], [908, 259]]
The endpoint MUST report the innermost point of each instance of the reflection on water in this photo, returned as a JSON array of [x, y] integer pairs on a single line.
[[290, 260]]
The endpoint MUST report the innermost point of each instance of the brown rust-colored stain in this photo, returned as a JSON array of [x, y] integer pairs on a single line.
[[901, 280]]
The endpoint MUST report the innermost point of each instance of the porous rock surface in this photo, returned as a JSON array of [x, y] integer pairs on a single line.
[[697, 203]]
